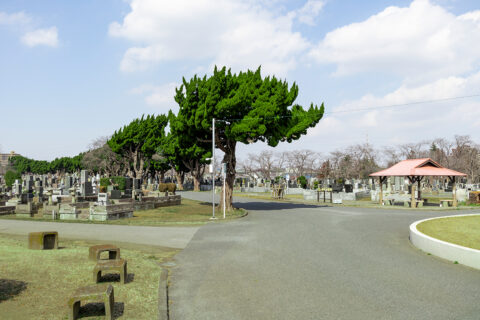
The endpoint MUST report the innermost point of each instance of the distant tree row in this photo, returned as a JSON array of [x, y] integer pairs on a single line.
[[59, 165], [359, 160]]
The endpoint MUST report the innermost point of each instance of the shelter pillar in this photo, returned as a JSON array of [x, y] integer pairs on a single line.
[[454, 190], [413, 202], [380, 198]]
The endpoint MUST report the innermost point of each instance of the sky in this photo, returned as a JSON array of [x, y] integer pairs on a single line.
[[73, 71]]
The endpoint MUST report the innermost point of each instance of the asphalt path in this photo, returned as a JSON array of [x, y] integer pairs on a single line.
[[172, 237], [296, 261]]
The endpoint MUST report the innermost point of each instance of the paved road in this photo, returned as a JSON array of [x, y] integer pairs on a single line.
[[172, 237], [288, 261]]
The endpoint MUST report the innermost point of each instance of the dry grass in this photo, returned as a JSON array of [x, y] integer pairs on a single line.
[[51, 276], [464, 231], [187, 213]]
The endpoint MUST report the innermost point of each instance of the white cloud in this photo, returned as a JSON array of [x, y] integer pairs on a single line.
[[13, 19], [32, 36], [240, 34], [310, 11], [420, 42], [45, 37], [161, 98], [408, 123]]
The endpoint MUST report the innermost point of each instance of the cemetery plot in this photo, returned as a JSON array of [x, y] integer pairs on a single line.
[[41, 282]]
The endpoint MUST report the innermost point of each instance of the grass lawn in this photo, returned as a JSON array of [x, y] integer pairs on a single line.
[[464, 231], [189, 212], [36, 284]]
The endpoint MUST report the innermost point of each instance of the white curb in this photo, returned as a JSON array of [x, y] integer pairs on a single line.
[[449, 251]]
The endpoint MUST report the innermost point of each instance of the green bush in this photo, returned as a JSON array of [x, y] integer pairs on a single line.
[[11, 176], [104, 182], [119, 182], [303, 182], [170, 187], [315, 184], [162, 187]]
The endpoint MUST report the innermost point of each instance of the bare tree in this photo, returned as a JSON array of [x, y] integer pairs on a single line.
[[302, 162], [264, 164], [100, 158]]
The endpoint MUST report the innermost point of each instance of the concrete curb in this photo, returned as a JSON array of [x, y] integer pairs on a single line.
[[163, 296], [446, 250]]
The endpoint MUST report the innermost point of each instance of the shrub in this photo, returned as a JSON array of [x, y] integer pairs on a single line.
[[170, 187], [104, 182], [303, 182], [120, 182], [315, 184], [11, 176]]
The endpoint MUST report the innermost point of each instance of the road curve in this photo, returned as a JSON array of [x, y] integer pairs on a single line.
[[294, 261]]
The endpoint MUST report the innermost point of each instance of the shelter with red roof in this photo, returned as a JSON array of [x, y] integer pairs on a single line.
[[415, 170]]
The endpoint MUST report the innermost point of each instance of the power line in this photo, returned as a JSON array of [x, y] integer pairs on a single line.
[[403, 104], [362, 108]]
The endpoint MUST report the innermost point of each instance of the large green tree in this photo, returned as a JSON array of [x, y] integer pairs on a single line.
[[139, 140], [187, 145], [248, 107]]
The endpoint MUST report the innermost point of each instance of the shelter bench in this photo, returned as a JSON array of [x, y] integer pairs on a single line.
[[94, 252], [43, 240], [92, 293], [119, 265], [418, 203], [445, 202]]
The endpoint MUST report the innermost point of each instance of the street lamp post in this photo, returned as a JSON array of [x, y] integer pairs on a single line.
[[213, 170]]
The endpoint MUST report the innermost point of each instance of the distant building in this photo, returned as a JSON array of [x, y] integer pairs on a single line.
[[4, 160]]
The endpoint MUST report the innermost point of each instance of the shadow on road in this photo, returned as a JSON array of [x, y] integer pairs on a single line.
[[266, 206]]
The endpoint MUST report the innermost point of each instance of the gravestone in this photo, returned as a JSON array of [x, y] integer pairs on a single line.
[[102, 199], [84, 176], [136, 184], [128, 183], [29, 183], [68, 182], [115, 194], [86, 188], [17, 188]]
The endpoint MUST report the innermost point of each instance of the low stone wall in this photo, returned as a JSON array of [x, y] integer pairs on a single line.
[[49, 208], [7, 210], [111, 212], [312, 195], [74, 211], [153, 203], [26, 210]]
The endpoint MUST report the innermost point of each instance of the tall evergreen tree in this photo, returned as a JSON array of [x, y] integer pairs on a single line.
[[139, 140], [248, 108]]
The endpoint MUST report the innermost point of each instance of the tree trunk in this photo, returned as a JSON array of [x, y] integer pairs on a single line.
[[231, 161], [162, 176], [196, 183], [180, 177]]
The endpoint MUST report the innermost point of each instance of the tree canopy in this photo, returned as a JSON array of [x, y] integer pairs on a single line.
[[248, 107], [139, 140]]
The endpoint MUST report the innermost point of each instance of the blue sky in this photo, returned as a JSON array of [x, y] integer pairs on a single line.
[[72, 71]]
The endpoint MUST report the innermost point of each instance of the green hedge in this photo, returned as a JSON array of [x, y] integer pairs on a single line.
[[104, 182], [119, 182], [11, 176]]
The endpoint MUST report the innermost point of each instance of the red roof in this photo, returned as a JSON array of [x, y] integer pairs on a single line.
[[417, 167]]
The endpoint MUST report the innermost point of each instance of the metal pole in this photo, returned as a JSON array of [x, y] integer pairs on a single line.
[[224, 180], [213, 168]]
